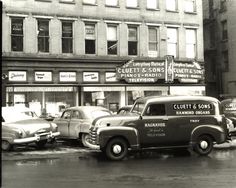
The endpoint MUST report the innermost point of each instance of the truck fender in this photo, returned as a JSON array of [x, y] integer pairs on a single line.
[[128, 133], [217, 133]]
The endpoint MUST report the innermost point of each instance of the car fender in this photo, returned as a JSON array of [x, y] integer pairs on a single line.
[[8, 137], [216, 132], [128, 133]]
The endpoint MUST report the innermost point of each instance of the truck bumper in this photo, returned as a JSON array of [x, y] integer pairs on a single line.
[[93, 146], [36, 138]]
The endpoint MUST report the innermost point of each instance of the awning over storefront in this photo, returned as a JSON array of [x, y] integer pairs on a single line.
[[40, 89]]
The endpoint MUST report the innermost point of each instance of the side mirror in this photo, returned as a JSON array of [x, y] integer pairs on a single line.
[[140, 117]]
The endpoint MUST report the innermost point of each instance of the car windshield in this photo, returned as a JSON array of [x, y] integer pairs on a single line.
[[98, 113], [138, 108]]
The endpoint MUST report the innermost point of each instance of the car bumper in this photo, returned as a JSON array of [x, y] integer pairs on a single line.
[[93, 146], [36, 138]]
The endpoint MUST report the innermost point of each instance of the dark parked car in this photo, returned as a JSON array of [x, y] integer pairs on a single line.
[[22, 126], [75, 122]]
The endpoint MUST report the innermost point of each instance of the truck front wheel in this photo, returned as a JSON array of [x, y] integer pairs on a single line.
[[116, 149]]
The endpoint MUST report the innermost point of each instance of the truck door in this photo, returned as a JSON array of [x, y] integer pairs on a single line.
[[153, 126]]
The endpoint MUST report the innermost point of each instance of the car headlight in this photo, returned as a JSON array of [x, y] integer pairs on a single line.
[[54, 126]]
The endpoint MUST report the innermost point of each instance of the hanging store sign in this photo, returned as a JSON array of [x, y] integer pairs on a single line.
[[18, 76], [168, 70], [43, 76], [67, 76], [90, 76], [110, 77]]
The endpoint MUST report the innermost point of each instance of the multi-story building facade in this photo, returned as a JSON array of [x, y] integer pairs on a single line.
[[220, 47], [59, 53]]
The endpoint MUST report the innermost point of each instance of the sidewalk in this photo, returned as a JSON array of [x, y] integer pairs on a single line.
[[228, 144]]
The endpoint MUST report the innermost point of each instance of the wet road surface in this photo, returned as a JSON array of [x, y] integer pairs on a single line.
[[83, 168]]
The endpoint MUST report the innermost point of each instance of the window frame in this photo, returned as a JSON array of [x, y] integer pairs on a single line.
[[46, 38], [189, 43], [110, 40], [224, 26], [89, 3], [176, 43], [111, 5], [168, 7], [128, 5], [67, 38], [156, 43], [152, 8], [133, 41], [89, 40], [16, 35], [194, 6]]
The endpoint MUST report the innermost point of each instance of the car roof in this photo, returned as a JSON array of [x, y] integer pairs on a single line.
[[174, 98]]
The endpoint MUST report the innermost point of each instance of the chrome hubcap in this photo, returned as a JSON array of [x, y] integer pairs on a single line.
[[116, 149], [203, 144]]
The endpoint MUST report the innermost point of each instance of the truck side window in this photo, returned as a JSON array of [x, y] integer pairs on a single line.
[[156, 110]]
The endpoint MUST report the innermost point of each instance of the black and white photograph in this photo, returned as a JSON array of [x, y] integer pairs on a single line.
[[118, 93]]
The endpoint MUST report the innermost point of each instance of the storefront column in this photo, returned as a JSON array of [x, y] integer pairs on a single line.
[[43, 100], [123, 98]]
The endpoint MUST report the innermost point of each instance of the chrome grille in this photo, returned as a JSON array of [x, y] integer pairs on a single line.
[[93, 136]]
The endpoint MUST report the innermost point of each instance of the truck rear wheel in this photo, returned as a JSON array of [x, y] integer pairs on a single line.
[[116, 149], [204, 145]]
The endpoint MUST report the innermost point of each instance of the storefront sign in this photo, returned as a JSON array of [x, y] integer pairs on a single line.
[[168, 70], [90, 76], [18, 76], [43, 76], [41, 89], [110, 77], [67, 76]]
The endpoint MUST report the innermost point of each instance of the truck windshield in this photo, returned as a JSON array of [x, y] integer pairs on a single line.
[[138, 108]]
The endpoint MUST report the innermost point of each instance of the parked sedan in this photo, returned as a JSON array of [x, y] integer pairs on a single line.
[[75, 122], [22, 126], [124, 110]]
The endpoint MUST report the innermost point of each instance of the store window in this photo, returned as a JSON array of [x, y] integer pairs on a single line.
[[224, 30], [152, 41], [90, 39], [132, 3], [67, 37], [91, 2], [112, 41], [113, 3], [17, 34], [43, 35], [172, 41], [132, 41], [189, 6], [190, 43], [171, 5], [152, 4]]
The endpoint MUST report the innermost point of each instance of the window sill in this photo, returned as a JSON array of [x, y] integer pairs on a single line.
[[112, 6], [90, 4], [135, 8], [152, 9], [194, 13], [172, 11], [44, 0], [67, 2]]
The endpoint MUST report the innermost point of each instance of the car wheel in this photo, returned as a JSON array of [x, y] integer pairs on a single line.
[[6, 146], [116, 149], [41, 144], [85, 139], [204, 145]]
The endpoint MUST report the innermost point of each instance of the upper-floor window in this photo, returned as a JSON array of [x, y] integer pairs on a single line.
[[190, 43], [132, 40], [171, 5], [90, 39], [172, 41], [132, 3], [17, 34], [225, 57], [152, 4], [112, 3], [189, 6], [153, 41], [224, 30], [223, 6], [112, 41], [43, 35], [91, 2], [67, 37]]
